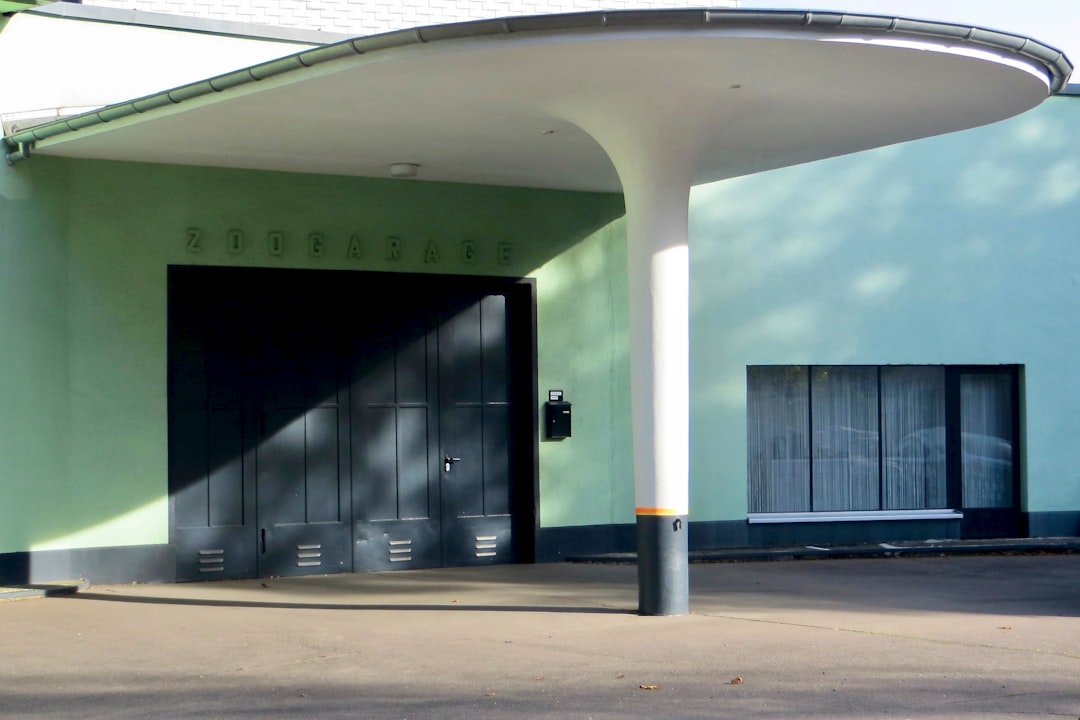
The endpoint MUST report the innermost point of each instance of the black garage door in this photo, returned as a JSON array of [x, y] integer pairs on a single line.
[[330, 421]]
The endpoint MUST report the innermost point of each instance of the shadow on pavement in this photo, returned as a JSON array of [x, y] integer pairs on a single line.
[[432, 607]]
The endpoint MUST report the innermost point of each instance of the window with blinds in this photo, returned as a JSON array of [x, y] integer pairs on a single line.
[[879, 438]]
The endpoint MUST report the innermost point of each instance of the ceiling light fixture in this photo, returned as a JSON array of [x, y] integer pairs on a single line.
[[404, 170]]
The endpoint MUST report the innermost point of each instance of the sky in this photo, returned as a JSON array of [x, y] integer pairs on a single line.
[[1053, 22]]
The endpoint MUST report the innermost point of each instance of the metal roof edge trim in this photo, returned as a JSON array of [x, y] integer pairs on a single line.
[[1054, 62], [187, 23]]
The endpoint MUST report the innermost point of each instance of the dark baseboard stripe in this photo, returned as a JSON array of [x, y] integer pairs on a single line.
[[851, 533], [136, 563], [558, 543], [1054, 524], [157, 563]]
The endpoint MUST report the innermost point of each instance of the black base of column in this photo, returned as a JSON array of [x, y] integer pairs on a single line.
[[663, 575]]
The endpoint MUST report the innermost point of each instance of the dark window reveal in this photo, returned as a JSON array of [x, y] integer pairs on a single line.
[[879, 438]]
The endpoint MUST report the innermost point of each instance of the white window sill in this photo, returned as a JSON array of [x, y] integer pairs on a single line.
[[853, 516]]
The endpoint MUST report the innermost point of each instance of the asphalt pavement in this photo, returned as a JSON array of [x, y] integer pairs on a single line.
[[898, 637]]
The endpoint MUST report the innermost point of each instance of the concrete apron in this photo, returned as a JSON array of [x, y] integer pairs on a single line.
[[924, 638]]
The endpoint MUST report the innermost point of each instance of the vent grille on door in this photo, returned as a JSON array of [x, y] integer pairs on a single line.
[[308, 555], [400, 550], [212, 561], [486, 545]]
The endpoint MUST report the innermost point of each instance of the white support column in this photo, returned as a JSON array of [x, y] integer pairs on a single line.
[[659, 283], [659, 277], [655, 153]]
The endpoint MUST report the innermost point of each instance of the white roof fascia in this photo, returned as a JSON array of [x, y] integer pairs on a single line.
[[526, 101]]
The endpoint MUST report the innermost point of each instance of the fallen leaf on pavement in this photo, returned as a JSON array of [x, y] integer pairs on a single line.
[[649, 687]]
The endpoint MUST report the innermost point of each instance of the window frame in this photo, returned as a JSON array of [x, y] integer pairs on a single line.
[[975, 519]]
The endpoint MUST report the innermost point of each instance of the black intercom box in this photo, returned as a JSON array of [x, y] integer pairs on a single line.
[[557, 419]]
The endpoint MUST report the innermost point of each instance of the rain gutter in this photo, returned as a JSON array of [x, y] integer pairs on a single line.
[[1052, 61]]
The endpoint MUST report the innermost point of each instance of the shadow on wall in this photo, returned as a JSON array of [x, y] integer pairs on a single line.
[[117, 229], [583, 323], [946, 250]]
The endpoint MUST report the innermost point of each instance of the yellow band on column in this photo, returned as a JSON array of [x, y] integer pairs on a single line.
[[658, 511]]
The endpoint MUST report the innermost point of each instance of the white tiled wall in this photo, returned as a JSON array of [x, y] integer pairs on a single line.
[[365, 17]]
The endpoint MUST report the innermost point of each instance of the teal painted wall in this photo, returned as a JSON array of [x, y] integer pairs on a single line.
[[86, 245], [950, 250], [583, 328], [957, 249]]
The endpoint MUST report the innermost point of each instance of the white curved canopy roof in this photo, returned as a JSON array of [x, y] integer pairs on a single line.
[[508, 102]]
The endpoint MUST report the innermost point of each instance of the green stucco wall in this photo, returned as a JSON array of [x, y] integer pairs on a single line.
[[953, 250], [35, 493], [85, 245], [957, 249], [583, 326]]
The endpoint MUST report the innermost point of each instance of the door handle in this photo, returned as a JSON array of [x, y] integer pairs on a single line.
[[448, 462]]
